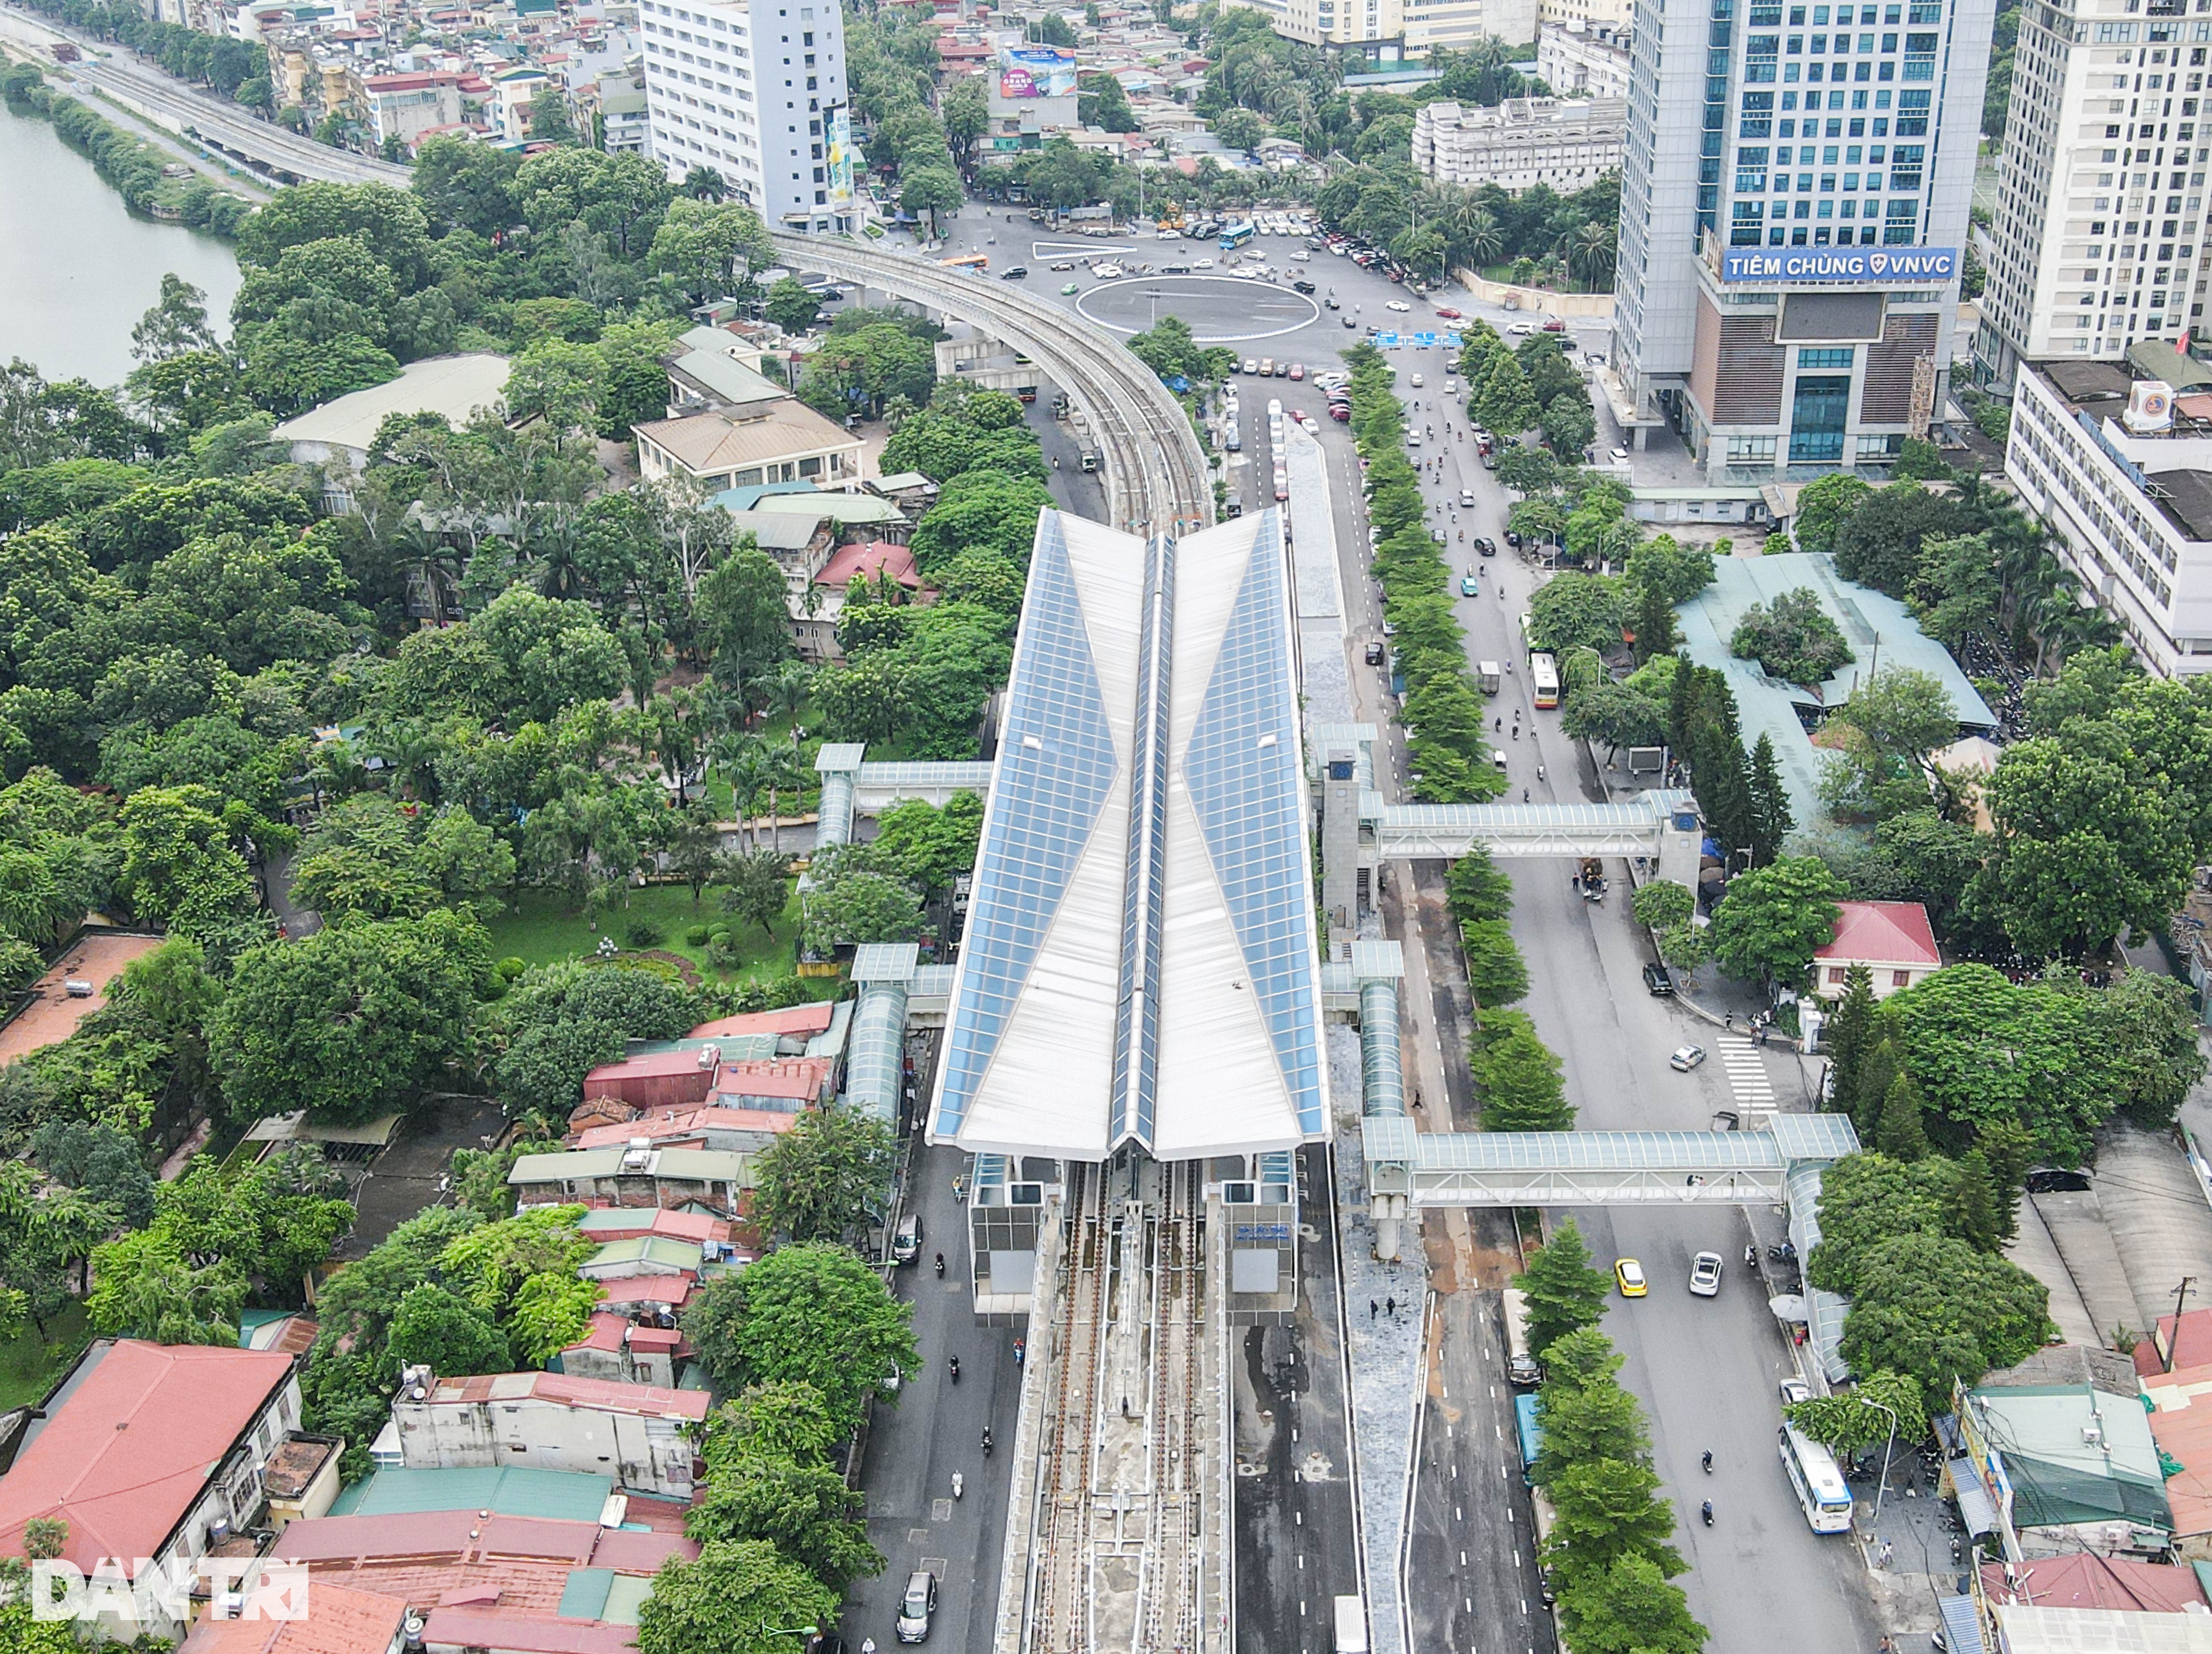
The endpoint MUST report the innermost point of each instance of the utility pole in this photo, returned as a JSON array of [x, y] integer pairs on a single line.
[[2174, 1338]]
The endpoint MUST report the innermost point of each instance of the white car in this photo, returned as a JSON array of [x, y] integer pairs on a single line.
[[1686, 1057], [1251, 366], [1417, 381], [1451, 387], [1705, 1275], [1466, 499], [1201, 264], [1399, 304], [1521, 329], [1793, 1390], [1302, 256]]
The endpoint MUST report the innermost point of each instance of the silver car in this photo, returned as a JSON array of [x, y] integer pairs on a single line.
[[916, 1606], [1705, 1275], [1686, 1059]]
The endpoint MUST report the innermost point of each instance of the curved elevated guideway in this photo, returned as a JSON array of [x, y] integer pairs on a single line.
[[1157, 480]]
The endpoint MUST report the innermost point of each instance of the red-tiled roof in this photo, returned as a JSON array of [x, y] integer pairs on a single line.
[[471, 1627], [661, 1221], [129, 1452], [409, 82], [339, 1621], [607, 1333], [670, 1289], [812, 1017], [865, 561], [2085, 1580], [599, 1395], [645, 1064], [2194, 1349], [1883, 933]]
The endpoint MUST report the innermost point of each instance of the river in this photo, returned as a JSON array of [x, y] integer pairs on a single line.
[[78, 267]]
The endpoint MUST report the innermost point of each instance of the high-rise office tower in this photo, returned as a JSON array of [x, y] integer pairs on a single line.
[[2101, 219], [1793, 207], [756, 90]]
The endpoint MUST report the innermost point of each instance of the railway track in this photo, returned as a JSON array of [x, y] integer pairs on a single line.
[[1060, 1618], [1157, 477], [1168, 1614]]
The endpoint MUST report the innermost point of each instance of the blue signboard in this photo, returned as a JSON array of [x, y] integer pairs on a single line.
[[1889, 266], [1386, 341], [1424, 340], [1452, 342]]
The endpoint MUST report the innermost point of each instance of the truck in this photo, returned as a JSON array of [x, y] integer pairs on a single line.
[[1351, 1616], [1089, 460], [1522, 1370], [1487, 671]]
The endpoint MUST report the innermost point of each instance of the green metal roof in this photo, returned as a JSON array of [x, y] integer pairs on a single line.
[[556, 1495], [646, 1249]]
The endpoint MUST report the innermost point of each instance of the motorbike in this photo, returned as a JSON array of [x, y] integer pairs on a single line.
[[957, 1484], [940, 1265], [954, 1365], [1785, 1253], [986, 1444], [1707, 1512], [1708, 1461], [1021, 1351]]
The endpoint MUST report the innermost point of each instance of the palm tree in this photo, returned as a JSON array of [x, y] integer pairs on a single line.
[[786, 767], [704, 184], [1485, 238], [750, 770], [787, 693], [1594, 246]]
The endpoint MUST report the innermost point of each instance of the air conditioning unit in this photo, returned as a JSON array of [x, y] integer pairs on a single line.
[[710, 1056], [2092, 1435], [2150, 407]]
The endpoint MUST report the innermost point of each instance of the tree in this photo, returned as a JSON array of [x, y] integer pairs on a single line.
[[1662, 904], [548, 116], [702, 245], [1611, 715], [743, 619], [100, 1161], [858, 906], [2145, 1025], [1878, 1405], [1972, 1213], [176, 325], [1880, 544], [823, 1177], [1586, 1414], [143, 1285], [1773, 919], [1576, 611], [1937, 1311], [1627, 1606], [926, 845], [1517, 1078], [179, 865], [755, 886], [1570, 426], [769, 1476], [349, 1023], [1504, 403], [433, 1328], [1901, 1132], [1770, 815], [1791, 639], [1475, 889], [1608, 1509], [1565, 1293], [1495, 973], [1849, 1030], [811, 1313], [791, 306], [1867, 1200], [740, 1596], [1823, 507]]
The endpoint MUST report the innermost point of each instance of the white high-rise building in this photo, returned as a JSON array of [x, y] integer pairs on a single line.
[[1794, 203], [755, 89], [2100, 222]]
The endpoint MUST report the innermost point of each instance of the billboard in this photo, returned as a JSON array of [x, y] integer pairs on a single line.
[[841, 156], [1891, 266], [1036, 72]]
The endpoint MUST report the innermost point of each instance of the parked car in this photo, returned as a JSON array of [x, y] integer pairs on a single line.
[[1659, 979], [906, 1240], [1686, 1057], [1399, 304], [1793, 1390], [1724, 1119], [1298, 370], [1251, 366], [1374, 653]]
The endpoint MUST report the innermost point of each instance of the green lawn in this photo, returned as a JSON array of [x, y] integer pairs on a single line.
[[541, 927], [30, 1365]]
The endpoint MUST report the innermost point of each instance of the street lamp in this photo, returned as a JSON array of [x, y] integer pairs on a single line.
[[808, 1632], [1882, 1486]]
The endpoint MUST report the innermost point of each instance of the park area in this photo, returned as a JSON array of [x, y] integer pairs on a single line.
[[542, 927]]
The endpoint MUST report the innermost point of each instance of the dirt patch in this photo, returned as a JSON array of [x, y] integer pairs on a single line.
[[51, 1015]]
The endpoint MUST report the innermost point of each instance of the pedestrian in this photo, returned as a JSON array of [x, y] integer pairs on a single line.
[[1887, 1647], [1372, 1308], [1391, 1303]]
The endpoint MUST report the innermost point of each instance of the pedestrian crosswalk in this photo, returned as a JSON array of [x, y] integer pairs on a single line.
[[1747, 1077]]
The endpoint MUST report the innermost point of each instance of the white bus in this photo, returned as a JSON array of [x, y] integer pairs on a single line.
[[1521, 1367], [1820, 1490], [1544, 680]]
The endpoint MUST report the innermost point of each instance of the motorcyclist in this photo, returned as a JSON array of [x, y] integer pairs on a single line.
[[940, 1263], [987, 1441], [954, 1363], [1708, 1461], [1706, 1510]]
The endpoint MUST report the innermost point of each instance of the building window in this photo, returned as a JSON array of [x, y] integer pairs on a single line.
[[1827, 358], [1900, 979], [1836, 974]]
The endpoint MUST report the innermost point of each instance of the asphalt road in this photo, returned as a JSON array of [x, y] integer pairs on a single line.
[[1705, 1369], [1294, 1528], [936, 1429]]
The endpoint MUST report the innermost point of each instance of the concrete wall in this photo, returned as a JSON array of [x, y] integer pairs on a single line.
[[1539, 300], [646, 1455]]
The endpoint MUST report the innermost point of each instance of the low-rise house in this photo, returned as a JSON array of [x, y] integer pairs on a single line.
[[619, 1349], [2179, 1389], [779, 441], [712, 367], [339, 1621], [621, 1223], [2085, 1580], [150, 1451], [516, 1583], [871, 562], [745, 1131], [1891, 939], [2065, 1467], [405, 106], [301, 1478], [618, 1260], [634, 1176], [638, 1434], [337, 434]]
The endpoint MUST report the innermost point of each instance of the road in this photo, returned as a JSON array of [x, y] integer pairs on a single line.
[[1705, 1370], [140, 85]]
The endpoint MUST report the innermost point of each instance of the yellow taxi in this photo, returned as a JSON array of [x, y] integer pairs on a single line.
[[1628, 1276]]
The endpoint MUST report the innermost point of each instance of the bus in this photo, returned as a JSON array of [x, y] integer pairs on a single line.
[[1521, 1367], [1544, 677], [1532, 1436], [1821, 1494], [968, 261], [1234, 236]]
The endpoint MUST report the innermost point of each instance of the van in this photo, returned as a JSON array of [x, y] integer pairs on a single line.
[[1498, 759], [906, 1240]]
